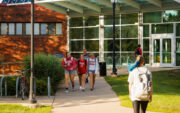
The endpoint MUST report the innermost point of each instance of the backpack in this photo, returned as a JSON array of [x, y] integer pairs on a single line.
[[142, 91], [85, 63]]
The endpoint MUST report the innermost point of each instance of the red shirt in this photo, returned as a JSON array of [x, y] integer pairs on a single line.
[[81, 64], [69, 64]]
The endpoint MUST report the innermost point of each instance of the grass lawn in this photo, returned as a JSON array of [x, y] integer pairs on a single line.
[[16, 108], [166, 94]]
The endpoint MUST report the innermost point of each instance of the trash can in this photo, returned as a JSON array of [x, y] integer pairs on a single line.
[[102, 66]]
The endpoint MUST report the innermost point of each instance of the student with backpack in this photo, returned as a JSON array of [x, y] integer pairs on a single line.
[[138, 51], [81, 70], [140, 87], [69, 64], [93, 68]]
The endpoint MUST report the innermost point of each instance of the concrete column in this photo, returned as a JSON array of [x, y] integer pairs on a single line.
[[84, 42], [140, 31], [68, 35], [101, 38], [151, 46], [174, 46]]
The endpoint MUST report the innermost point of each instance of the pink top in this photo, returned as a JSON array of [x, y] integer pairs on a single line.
[[69, 64]]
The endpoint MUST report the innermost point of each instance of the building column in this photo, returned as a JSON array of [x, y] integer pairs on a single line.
[[174, 46], [68, 36], [101, 38], [140, 16], [151, 46]]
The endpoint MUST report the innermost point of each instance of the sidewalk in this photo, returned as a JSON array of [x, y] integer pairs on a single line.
[[101, 100]]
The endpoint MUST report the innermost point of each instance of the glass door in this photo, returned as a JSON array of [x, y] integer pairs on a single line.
[[162, 52]]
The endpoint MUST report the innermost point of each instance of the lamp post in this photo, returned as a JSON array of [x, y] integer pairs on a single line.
[[114, 70], [32, 96]]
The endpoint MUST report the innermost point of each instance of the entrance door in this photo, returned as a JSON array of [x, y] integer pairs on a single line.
[[162, 52]]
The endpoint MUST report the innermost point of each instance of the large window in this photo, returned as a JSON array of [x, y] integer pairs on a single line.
[[76, 33], [127, 58], [4, 28], [129, 18], [18, 28], [108, 32], [152, 17], [28, 28], [108, 57], [129, 31], [76, 45], [145, 44], [171, 16], [92, 45], [108, 45], [36, 28], [177, 51], [178, 29], [162, 28], [43, 29], [146, 31], [108, 20], [129, 44], [11, 28], [76, 22], [91, 33], [91, 21]]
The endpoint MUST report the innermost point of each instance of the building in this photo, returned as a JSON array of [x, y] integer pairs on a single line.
[[155, 24], [15, 29]]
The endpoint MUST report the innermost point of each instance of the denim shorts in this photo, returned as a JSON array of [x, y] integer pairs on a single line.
[[70, 72], [91, 71]]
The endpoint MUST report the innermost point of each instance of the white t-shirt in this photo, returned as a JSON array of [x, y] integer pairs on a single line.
[[93, 64], [134, 78]]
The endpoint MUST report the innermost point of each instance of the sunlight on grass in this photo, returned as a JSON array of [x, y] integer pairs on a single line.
[[166, 94], [16, 108]]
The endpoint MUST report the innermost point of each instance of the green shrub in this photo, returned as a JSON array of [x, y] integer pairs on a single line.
[[1, 60], [44, 66]]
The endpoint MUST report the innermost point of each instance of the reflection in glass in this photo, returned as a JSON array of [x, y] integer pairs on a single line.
[[129, 18], [91, 33], [108, 45], [127, 58], [3, 28], [58, 28], [166, 51], [156, 50], [108, 57], [52, 28], [145, 44], [162, 28], [76, 22], [178, 30], [76, 33], [172, 16], [11, 28], [76, 45], [152, 17], [91, 21], [19, 28], [129, 44], [177, 59], [129, 31], [108, 20], [43, 29], [146, 31], [146, 57], [178, 44], [108, 32], [92, 45]]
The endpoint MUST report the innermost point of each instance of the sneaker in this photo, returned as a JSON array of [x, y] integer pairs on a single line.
[[66, 91], [80, 88]]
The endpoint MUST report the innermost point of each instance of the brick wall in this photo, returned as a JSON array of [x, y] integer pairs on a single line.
[[14, 48]]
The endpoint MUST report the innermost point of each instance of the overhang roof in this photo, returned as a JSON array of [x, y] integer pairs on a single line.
[[98, 7]]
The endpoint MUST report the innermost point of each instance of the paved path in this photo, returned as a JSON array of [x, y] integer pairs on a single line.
[[101, 100]]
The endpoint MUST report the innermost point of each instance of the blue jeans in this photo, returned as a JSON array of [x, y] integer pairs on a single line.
[[70, 72]]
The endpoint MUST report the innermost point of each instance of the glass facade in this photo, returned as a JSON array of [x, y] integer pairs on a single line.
[[85, 32]]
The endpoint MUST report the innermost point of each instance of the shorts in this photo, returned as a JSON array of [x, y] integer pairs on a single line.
[[91, 71], [70, 72]]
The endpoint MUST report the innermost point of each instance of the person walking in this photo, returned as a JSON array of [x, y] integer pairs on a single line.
[[81, 70], [140, 87], [69, 64], [93, 68], [86, 56]]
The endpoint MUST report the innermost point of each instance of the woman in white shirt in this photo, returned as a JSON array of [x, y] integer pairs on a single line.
[[92, 69], [140, 87]]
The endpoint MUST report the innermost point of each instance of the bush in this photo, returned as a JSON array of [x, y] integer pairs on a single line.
[[1, 60], [44, 66]]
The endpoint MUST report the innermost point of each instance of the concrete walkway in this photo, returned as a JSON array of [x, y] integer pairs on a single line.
[[102, 100]]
